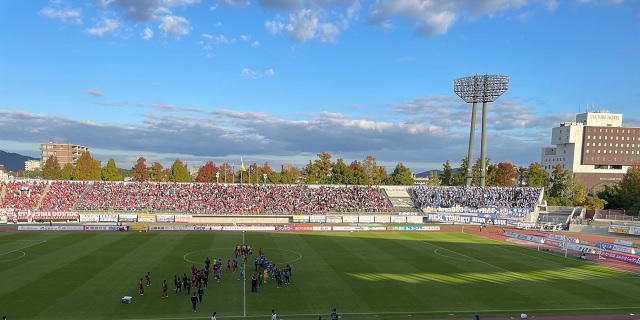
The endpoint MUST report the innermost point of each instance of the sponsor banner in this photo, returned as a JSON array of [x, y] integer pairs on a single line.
[[334, 219], [303, 228], [350, 219], [321, 228], [557, 237], [465, 219], [608, 246], [28, 215], [146, 218], [204, 228], [374, 228], [317, 219], [366, 219], [108, 218], [416, 228], [500, 222], [410, 213], [165, 218], [577, 247], [398, 219], [634, 230], [588, 243], [524, 237], [618, 229], [168, 228], [343, 228], [50, 228], [618, 256], [623, 242], [104, 228], [138, 228], [414, 219], [552, 243], [184, 218], [383, 219], [128, 217], [248, 228], [89, 218], [300, 219], [285, 228]]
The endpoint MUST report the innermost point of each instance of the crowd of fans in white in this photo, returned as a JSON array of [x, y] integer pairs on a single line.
[[498, 197], [270, 199]]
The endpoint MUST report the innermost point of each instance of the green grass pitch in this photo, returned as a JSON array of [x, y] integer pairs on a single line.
[[367, 275]]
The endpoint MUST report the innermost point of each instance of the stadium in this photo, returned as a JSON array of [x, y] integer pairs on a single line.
[[75, 249]]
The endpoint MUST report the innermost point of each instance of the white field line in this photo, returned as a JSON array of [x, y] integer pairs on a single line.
[[31, 245], [473, 259], [414, 312]]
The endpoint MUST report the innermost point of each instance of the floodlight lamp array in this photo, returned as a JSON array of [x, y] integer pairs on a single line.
[[486, 88]]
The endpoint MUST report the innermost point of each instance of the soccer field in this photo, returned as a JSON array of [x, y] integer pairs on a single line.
[[367, 275]]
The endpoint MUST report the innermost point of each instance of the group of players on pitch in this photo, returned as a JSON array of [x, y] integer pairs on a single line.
[[199, 279]]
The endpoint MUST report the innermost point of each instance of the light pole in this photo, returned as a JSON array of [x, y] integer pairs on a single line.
[[217, 177], [476, 89], [264, 178]]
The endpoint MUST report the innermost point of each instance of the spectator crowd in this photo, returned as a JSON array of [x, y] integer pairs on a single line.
[[496, 197], [235, 199]]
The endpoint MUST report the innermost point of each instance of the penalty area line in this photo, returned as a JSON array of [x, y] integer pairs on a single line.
[[20, 249]]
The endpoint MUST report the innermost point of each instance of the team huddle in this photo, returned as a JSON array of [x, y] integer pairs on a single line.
[[198, 280]]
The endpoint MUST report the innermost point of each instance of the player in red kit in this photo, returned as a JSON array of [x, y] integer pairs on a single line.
[[141, 285]]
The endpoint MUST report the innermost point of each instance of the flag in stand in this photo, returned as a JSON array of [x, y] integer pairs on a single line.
[[242, 168]]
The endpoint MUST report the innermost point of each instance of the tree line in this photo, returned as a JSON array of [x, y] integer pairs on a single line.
[[561, 189]]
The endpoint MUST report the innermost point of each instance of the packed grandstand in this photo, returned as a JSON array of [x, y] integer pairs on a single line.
[[248, 199]]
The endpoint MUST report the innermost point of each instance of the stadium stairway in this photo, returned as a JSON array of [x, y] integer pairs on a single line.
[[44, 193], [84, 192], [3, 191]]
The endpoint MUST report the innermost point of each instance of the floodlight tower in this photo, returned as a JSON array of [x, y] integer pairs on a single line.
[[476, 89]]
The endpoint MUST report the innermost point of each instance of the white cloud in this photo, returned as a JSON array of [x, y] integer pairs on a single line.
[[435, 17], [303, 24], [255, 44], [175, 26], [147, 34], [274, 27], [236, 3], [329, 32], [249, 73], [106, 26], [55, 11], [145, 10], [552, 5], [245, 37], [96, 92], [255, 74]]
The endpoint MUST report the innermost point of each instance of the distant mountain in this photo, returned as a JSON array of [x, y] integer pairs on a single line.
[[14, 161], [427, 173]]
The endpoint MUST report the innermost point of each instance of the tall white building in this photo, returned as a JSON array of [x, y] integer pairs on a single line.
[[597, 148]]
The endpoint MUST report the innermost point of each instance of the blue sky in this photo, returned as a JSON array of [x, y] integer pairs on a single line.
[[283, 80]]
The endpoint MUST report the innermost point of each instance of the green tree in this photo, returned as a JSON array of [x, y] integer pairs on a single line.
[[401, 176], [226, 173], [179, 172], [536, 176], [317, 172], [611, 194], [339, 172], [357, 174], [155, 172], [629, 188], [434, 179], [475, 170], [372, 170], [140, 172], [460, 178], [87, 168], [593, 203], [446, 176], [51, 169], [289, 174], [67, 172], [110, 172]]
